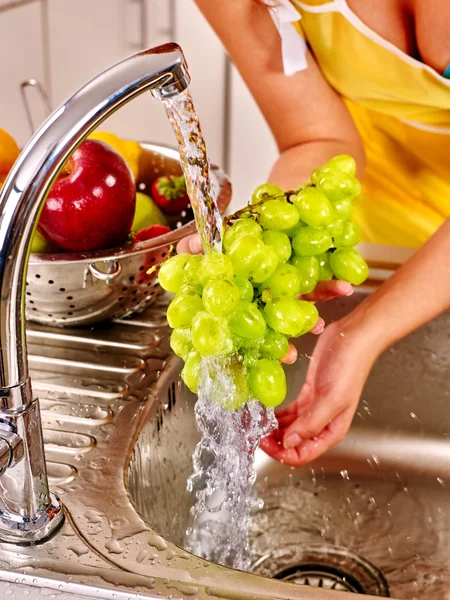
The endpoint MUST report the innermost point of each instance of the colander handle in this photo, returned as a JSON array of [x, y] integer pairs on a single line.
[[113, 270]]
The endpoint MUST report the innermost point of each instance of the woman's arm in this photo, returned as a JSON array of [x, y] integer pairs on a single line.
[[307, 117]]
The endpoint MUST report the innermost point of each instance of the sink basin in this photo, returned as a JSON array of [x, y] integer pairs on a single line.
[[119, 428], [370, 517]]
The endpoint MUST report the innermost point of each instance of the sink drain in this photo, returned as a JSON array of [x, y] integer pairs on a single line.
[[326, 567]]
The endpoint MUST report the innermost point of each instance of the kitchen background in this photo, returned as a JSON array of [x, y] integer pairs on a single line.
[[63, 43]]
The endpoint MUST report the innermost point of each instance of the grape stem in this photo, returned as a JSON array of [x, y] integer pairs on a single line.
[[250, 208], [171, 252]]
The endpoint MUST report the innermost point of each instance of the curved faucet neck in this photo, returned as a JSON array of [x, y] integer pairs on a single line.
[[161, 70]]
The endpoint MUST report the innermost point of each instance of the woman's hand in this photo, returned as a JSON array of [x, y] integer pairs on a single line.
[[191, 244], [323, 411]]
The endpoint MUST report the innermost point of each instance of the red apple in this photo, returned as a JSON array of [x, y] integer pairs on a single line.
[[91, 205]]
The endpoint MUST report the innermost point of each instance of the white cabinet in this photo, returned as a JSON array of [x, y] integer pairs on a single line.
[[252, 149], [88, 35], [206, 60], [22, 57]]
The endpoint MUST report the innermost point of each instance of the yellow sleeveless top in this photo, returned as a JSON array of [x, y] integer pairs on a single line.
[[401, 108]]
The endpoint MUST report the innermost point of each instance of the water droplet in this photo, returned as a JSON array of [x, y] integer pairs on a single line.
[[345, 475], [157, 542], [114, 546]]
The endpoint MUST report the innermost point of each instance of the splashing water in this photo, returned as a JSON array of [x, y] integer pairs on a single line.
[[224, 470], [194, 161]]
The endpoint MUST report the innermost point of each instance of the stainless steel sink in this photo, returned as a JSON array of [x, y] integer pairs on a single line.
[[371, 517], [120, 431]]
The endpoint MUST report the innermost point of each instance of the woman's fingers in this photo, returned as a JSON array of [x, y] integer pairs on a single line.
[[327, 290], [291, 355], [190, 245], [318, 327], [311, 449]]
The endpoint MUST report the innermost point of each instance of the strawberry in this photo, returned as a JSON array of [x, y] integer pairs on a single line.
[[148, 233], [169, 193]]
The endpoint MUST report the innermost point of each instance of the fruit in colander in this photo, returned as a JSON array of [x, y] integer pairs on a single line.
[[91, 205]]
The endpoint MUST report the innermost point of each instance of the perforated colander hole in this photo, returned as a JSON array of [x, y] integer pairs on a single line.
[[142, 186], [37, 276], [141, 268]]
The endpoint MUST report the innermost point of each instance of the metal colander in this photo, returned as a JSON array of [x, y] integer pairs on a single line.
[[85, 288]]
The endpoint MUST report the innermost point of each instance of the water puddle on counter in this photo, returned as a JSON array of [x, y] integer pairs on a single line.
[[223, 463]]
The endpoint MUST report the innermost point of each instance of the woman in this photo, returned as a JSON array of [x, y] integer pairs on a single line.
[[370, 82]]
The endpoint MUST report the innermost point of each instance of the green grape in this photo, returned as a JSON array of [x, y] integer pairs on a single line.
[[285, 315], [245, 255], [294, 230], [248, 349], [316, 175], [183, 308], [343, 163], [266, 190], [311, 315], [220, 297], [275, 345], [350, 236], [335, 228], [325, 273], [278, 214], [187, 287], [267, 382], [245, 288], [309, 270], [249, 357], [192, 269], [239, 229], [343, 208], [310, 241], [279, 241], [268, 262], [192, 370], [239, 394], [356, 189], [180, 342], [285, 281], [349, 265], [210, 335], [215, 266], [314, 207], [336, 185], [247, 321], [171, 273]]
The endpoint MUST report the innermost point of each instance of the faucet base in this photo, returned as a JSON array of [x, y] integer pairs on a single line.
[[25, 532]]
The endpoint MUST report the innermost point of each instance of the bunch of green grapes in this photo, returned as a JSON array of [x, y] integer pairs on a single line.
[[243, 304]]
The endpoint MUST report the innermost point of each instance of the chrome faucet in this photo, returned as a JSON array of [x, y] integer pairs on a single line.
[[28, 511]]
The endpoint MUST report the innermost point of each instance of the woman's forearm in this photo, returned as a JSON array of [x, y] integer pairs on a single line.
[[415, 294], [294, 166]]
